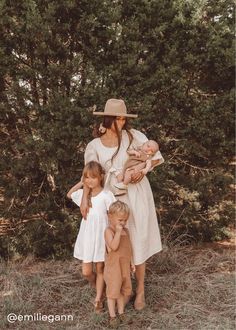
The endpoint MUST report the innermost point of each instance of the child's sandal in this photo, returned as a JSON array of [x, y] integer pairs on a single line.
[[98, 307], [124, 318], [114, 322]]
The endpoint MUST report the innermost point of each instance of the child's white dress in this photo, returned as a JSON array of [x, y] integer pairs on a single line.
[[90, 242]]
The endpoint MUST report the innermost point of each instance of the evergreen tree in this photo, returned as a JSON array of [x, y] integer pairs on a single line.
[[171, 60]]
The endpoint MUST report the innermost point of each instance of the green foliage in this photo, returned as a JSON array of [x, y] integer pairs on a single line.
[[172, 61]]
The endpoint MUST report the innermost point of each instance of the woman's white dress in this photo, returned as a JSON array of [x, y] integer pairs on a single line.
[[142, 223], [90, 243]]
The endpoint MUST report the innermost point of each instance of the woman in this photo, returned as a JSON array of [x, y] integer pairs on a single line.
[[110, 150]]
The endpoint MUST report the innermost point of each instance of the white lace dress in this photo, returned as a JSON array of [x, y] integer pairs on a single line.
[[142, 223], [90, 242]]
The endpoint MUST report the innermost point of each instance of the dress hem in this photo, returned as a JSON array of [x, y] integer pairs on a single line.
[[87, 261], [150, 255]]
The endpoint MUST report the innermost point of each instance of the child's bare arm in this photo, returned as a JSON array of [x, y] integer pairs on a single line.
[[113, 241], [150, 164], [147, 167], [77, 186], [133, 152]]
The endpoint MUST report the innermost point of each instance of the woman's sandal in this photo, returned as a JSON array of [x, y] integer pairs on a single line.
[[140, 304], [124, 318]]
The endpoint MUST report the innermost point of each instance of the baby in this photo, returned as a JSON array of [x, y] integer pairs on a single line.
[[140, 160]]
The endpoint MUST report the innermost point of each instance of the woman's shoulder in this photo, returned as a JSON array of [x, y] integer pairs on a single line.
[[93, 142], [138, 135]]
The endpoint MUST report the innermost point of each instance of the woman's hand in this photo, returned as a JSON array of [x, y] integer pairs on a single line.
[[136, 177]]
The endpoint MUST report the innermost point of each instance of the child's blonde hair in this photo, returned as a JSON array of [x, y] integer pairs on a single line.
[[118, 207], [95, 170]]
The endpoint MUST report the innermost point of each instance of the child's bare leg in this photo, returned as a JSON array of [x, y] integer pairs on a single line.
[[99, 280], [121, 304], [111, 303], [87, 271], [127, 176]]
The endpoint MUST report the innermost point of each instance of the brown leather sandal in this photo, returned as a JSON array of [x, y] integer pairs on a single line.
[[114, 322], [98, 307]]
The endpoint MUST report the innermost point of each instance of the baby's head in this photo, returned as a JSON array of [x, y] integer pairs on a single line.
[[150, 147], [118, 213]]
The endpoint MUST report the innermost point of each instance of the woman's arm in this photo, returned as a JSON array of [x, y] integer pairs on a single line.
[[84, 206], [76, 187], [89, 155]]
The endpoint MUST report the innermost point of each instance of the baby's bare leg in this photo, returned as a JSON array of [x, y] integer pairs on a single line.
[[127, 176], [129, 172]]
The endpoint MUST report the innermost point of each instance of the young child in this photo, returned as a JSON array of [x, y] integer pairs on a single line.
[[140, 160], [118, 260], [90, 243]]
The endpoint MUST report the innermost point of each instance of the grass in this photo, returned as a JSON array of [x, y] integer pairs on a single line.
[[186, 288]]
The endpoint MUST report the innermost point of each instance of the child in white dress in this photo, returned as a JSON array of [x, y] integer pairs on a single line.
[[90, 243]]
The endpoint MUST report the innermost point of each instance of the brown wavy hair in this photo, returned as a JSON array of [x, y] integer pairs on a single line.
[[95, 170], [107, 123]]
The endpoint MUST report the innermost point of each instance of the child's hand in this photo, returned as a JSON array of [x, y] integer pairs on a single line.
[[132, 268], [119, 228], [134, 153], [137, 154]]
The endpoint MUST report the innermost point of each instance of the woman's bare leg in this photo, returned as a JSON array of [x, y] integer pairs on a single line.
[[140, 296], [99, 280], [87, 271]]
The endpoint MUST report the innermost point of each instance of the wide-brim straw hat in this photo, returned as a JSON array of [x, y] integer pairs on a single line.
[[116, 108]]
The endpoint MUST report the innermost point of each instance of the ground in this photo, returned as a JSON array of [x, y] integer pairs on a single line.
[[187, 287]]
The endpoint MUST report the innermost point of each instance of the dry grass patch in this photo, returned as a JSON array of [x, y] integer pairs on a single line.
[[186, 288]]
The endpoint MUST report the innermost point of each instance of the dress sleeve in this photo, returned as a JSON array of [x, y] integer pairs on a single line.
[[90, 153], [110, 198], [139, 138], [158, 156], [76, 196]]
